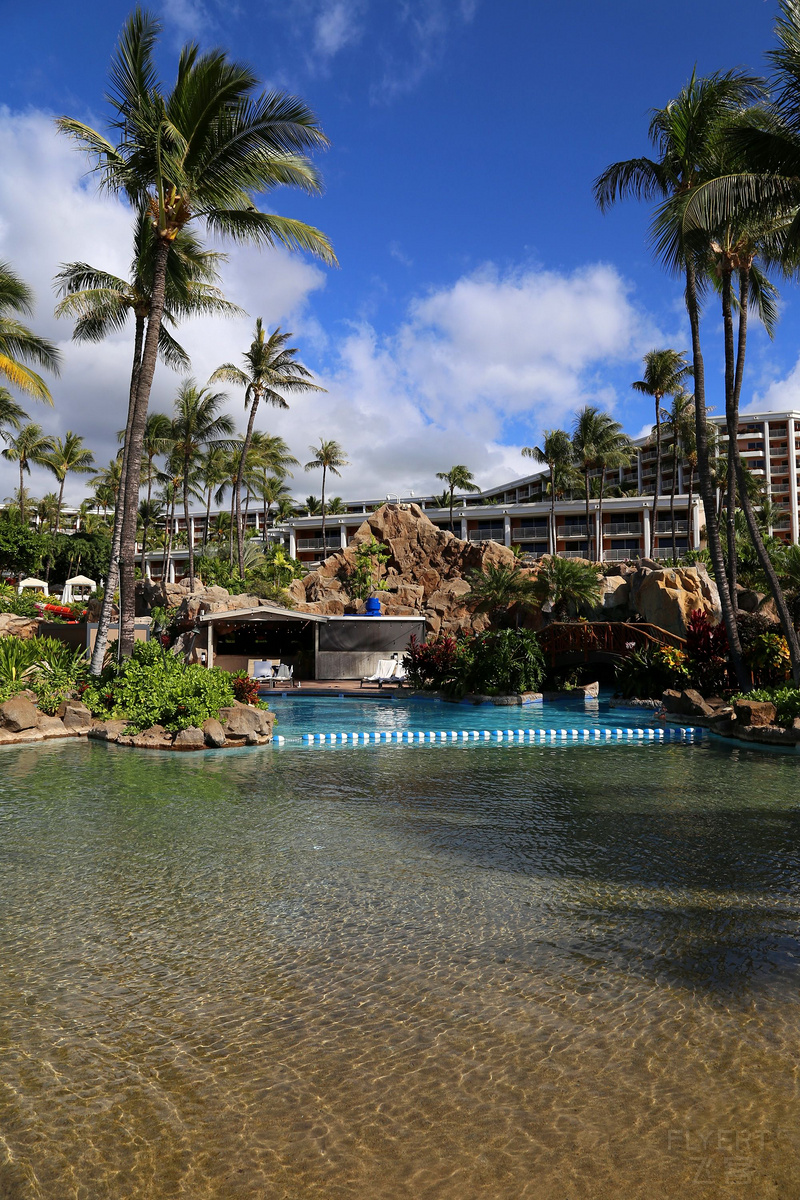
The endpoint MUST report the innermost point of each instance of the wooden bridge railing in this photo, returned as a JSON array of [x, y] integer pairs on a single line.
[[607, 638]]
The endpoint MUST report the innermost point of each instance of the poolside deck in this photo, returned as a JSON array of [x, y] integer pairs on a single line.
[[337, 687]]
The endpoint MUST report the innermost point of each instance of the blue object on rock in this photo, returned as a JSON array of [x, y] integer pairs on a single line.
[[373, 607]]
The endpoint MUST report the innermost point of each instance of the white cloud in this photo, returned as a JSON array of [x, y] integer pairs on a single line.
[[337, 24], [473, 370], [779, 395]]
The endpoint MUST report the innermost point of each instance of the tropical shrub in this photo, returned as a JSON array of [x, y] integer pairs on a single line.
[[565, 583], [155, 688], [430, 664], [371, 558], [245, 689], [648, 672], [785, 699], [47, 666], [499, 590], [707, 654], [497, 662], [21, 606]]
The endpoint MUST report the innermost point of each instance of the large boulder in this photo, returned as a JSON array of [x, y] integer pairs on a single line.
[[22, 627], [18, 714], [667, 597], [754, 712]]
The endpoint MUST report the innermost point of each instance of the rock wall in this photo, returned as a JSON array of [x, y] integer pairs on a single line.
[[426, 574]]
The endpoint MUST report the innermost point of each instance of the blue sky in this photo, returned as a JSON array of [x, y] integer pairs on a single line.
[[481, 296]]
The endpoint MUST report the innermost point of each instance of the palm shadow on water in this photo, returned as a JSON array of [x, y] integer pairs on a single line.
[[679, 865]]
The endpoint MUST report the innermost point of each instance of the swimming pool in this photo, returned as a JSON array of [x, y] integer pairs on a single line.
[[333, 719]]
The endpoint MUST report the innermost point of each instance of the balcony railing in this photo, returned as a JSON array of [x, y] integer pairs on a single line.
[[618, 528], [486, 535], [569, 531], [572, 553], [620, 555], [666, 526], [529, 533], [331, 543]]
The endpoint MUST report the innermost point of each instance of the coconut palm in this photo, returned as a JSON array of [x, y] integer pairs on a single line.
[[11, 414], [197, 424], [311, 506], [213, 474], [31, 445], [597, 442], [68, 456], [157, 441], [499, 589], [665, 372], [328, 456], [101, 304], [106, 485], [18, 345], [270, 369], [458, 478], [687, 134], [556, 452], [680, 425], [271, 491], [47, 514], [204, 151]]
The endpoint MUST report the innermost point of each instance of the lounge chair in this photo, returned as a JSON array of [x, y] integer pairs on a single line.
[[385, 671], [260, 669], [283, 674], [400, 673]]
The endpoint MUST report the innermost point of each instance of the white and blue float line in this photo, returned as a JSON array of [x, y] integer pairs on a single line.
[[636, 736]]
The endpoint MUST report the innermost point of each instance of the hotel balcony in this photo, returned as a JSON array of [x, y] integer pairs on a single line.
[[621, 555], [623, 528], [573, 553], [529, 533], [332, 542], [666, 526], [571, 531]]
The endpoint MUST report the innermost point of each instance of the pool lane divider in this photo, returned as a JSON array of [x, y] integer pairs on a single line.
[[635, 736]]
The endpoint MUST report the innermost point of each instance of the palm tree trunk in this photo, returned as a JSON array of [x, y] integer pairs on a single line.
[[146, 522], [248, 437], [689, 513], [552, 510], [208, 518], [189, 537], [166, 544], [658, 476], [599, 536], [706, 486], [764, 559], [588, 535], [672, 493], [232, 521], [324, 547], [21, 491], [101, 640], [170, 537], [732, 425], [130, 496]]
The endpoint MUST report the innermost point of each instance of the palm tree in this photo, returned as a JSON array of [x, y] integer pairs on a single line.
[[47, 513], [687, 134], [269, 457], [11, 414], [18, 345], [556, 452], [270, 369], [106, 485], [101, 304], [271, 491], [311, 506], [67, 456], [561, 582], [665, 372], [284, 509], [458, 477], [157, 441], [330, 457], [680, 424], [597, 441], [198, 423], [498, 589], [206, 150], [213, 472], [31, 445]]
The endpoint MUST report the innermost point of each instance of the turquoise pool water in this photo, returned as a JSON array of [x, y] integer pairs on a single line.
[[299, 715]]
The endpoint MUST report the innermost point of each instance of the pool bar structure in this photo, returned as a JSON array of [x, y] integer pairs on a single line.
[[629, 736]]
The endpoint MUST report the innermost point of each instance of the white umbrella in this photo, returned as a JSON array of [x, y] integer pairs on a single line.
[[38, 585], [80, 583]]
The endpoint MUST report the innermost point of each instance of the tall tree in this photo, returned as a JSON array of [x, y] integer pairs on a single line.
[[101, 304], [11, 414], [213, 473], [205, 150], [270, 369], [31, 445], [556, 452], [197, 424], [67, 457], [19, 346], [157, 441], [458, 478], [687, 133], [680, 426], [597, 443], [665, 372], [328, 456]]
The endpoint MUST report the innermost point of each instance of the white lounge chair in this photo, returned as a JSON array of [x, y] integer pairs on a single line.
[[283, 674], [400, 673], [384, 672], [260, 668]]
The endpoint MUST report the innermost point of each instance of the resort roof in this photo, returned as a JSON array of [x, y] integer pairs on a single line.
[[263, 612]]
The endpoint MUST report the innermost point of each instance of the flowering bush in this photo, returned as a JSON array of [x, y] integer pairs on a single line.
[[707, 653], [430, 664], [245, 689]]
